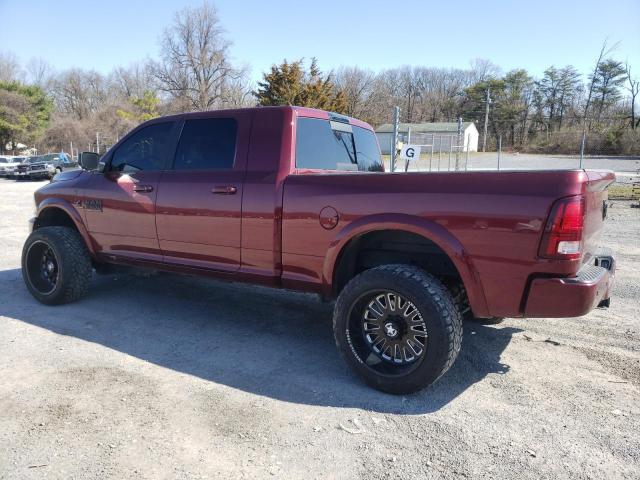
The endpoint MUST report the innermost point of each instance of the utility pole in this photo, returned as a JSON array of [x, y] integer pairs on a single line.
[[486, 121]]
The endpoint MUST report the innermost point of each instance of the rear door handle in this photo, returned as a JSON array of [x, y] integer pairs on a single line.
[[224, 190], [143, 188]]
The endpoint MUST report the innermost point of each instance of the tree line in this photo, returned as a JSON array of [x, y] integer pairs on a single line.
[[194, 71]]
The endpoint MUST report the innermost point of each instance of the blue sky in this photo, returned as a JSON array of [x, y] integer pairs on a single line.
[[372, 34]]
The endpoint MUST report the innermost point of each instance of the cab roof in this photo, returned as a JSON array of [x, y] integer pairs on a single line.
[[298, 111]]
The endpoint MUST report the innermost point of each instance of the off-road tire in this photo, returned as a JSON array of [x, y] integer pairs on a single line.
[[73, 263], [437, 308]]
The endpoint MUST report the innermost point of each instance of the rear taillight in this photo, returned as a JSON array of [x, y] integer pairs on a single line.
[[562, 236]]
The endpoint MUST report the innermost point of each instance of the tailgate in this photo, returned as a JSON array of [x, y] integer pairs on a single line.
[[596, 196]]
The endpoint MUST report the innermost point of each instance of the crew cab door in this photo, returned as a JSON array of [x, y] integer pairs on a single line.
[[199, 205], [119, 204]]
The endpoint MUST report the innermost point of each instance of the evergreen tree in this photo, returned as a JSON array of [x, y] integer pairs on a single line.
[[289, 84], [511, 97], [608, 78], [25, 111], [145, 108]]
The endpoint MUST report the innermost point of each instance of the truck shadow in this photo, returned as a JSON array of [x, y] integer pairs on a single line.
[[267, 342]]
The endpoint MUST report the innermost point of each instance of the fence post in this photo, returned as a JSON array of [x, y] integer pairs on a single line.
[[460, 144], [450, 150], [499, 150], [466, 162], [394, 141], [431, 155]]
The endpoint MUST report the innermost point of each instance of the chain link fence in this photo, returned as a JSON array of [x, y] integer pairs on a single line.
[[449, 153]]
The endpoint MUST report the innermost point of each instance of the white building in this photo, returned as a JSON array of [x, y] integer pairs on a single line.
[[442, 135]]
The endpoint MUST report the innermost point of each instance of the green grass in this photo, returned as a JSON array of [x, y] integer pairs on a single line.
[[622, 191]]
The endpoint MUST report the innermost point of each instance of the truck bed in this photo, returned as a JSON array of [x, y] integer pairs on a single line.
[[490, 223]]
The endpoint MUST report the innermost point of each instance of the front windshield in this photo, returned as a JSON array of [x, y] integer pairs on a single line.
[[4, 160], [34, 159]]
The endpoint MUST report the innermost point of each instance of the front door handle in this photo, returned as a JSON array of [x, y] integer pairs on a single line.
[[143, 188], [224, 190]]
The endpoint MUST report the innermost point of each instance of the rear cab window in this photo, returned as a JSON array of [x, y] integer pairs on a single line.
[[207, 144], [326, 144]]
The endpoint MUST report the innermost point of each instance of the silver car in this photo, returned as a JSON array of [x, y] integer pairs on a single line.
[[9, 165]]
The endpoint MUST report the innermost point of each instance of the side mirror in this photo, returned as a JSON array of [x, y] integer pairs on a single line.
[[89, 160]]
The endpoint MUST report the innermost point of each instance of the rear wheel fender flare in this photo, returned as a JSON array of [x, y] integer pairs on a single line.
[[428, 229]]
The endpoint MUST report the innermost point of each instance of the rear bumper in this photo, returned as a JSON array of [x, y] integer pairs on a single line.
[[575, 296]]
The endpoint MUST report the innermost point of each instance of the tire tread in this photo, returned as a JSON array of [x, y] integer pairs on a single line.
[[448, 313], [77, 267]]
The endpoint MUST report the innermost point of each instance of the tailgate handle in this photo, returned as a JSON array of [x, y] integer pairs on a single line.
[[224, 190], [143, 188]]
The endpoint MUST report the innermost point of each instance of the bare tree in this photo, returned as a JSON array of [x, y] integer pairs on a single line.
[[237, 92], [634, 89], [605, 51], [132, 81], [10, 70], [483, 70], [40, 73], [80, 92], [356, 84], [195, 62]]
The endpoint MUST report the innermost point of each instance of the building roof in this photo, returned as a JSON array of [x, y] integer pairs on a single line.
[[424, 127]]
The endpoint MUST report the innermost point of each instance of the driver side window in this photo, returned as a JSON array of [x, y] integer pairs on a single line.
[[144, 150]]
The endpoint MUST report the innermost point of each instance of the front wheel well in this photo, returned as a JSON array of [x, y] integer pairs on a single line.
[[385, 247], [54, 217]]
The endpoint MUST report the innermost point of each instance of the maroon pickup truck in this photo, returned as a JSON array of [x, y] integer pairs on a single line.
[[298, 198]]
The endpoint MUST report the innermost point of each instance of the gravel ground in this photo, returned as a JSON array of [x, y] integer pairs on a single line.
[[510, 161], [176, 377]]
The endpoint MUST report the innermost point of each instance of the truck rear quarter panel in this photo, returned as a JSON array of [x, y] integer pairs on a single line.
[[490, 224]]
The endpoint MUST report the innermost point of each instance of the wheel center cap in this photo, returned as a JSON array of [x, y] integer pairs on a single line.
[[50, 266], [391, 330]]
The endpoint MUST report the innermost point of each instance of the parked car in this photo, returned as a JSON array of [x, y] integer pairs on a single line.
[[8, 165], [61, 161], [45, 166], [297, 198], [33, 168], [3, 162]]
